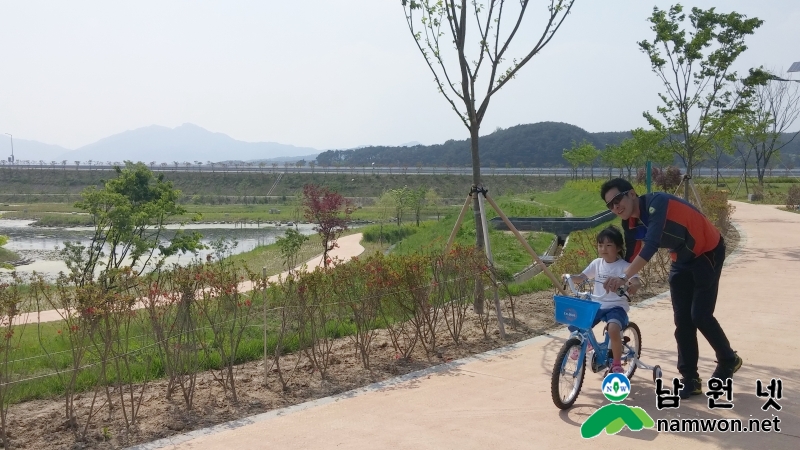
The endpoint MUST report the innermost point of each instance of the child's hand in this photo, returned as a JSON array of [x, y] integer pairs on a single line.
[[577, 279]]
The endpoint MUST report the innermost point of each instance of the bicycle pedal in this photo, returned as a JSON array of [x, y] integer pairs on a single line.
[[626, 339]]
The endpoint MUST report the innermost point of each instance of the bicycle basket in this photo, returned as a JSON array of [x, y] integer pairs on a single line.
[[575, 312]]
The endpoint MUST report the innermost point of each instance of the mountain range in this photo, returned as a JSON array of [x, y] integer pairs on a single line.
[[161, 144], [529, 145]]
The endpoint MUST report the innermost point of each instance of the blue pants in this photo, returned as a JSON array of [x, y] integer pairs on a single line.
[[612, 315]]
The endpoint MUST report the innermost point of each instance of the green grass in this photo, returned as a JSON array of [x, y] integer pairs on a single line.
[[7, 255], [33, 361], [60, 185], [510, 257]]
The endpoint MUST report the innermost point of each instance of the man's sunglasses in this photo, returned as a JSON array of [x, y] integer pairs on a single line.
[[617, 199]]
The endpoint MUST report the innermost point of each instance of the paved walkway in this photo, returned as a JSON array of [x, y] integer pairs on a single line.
[[349, 246], [502, 399]]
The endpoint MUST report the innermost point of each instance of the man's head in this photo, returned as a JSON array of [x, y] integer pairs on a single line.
[[620, 198]]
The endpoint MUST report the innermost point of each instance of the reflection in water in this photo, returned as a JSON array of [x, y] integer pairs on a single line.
[[42, 244]]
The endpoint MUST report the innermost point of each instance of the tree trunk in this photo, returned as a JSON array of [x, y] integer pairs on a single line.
[[689, 168], [476, 182]]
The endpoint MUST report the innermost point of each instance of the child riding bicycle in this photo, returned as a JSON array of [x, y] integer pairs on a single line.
[[613, 309]]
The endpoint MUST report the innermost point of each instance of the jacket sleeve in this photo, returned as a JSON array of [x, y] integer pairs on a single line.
[[630, 241], [657, 210]]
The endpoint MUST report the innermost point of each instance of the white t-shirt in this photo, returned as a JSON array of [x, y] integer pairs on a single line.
[[600, 270]]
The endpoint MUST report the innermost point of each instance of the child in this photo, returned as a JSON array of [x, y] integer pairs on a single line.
[[613, 309]]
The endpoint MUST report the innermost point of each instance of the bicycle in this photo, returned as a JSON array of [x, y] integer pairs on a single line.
[[579, 311]]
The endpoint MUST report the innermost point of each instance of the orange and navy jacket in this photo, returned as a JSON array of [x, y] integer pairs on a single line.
[[666, 221]]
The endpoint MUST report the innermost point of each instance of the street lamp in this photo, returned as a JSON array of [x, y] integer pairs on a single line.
[[12, 148], [795, 68]]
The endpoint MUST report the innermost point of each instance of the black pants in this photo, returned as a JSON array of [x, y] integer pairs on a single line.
[[694, 287]]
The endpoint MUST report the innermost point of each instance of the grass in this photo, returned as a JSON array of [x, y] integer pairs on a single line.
[[7, 255], [33, 361], [510, 257], [65, 185]]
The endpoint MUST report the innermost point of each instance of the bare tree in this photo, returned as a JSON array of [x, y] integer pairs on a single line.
[[440, 28], [775, 107]]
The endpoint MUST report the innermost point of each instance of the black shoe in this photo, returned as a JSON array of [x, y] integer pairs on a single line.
[[726, 369], [691, 387]]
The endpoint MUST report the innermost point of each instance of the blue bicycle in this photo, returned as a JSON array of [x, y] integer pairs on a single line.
[[570, 366]]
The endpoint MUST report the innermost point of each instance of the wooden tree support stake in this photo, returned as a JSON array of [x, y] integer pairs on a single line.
[[527, 246]]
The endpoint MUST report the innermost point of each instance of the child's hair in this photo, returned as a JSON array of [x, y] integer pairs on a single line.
[[613, 235]]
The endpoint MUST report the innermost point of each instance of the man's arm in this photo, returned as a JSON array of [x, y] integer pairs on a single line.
[[614, 283]]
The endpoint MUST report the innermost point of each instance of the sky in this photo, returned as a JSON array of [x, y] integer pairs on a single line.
[[320, 73]]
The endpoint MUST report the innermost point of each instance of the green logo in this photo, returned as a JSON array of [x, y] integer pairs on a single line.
[[652, 210], [615, 416]]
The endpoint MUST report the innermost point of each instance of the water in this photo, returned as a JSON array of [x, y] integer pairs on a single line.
[[42, 244]]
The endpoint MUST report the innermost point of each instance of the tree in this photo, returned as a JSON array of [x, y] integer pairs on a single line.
[[725, 143], [650, 145], [699, 95], [289, 246], [773, 111], [435, 200], [581, 155], [417, 201], [329, 212], [402, 200], [129, 213], [441, 28]]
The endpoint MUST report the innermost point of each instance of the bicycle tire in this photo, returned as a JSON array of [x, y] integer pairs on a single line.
[[637, 347], [560, 401]]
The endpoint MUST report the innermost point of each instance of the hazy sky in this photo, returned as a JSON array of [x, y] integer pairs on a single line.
[[318, 73]]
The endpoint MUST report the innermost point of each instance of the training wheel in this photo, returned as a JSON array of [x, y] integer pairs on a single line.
[[657, 373]]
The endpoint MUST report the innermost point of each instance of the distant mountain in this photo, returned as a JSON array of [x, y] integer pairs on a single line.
[[532, 145], [287, 158], [539, 145], [31, 150], [184, 143]]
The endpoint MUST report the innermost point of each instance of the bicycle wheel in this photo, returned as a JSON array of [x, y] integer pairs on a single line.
[[564, 384], [634, 344]]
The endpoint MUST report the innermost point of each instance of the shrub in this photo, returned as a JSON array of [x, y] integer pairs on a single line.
[[390, 234], [716, 207], [793, 197], [667, 180]]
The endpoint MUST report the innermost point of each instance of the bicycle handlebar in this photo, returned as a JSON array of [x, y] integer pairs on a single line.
[[622, 291]]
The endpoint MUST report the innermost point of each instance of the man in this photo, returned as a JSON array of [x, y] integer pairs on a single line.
[[661, 220]]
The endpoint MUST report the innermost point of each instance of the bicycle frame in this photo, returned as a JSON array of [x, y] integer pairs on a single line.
[[600, 349]]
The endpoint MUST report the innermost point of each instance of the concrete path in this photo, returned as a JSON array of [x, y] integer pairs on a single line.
[[349, 246], [502, 399]]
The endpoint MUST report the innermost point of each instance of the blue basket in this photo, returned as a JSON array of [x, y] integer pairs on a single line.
[[575, 312]]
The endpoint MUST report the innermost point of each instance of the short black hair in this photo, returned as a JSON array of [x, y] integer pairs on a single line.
[[613, 235], [621, 184]]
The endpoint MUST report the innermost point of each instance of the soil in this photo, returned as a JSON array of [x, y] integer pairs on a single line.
[[40, 423]]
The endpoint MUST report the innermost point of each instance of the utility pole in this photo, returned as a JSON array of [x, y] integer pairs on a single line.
[[12, 148]]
